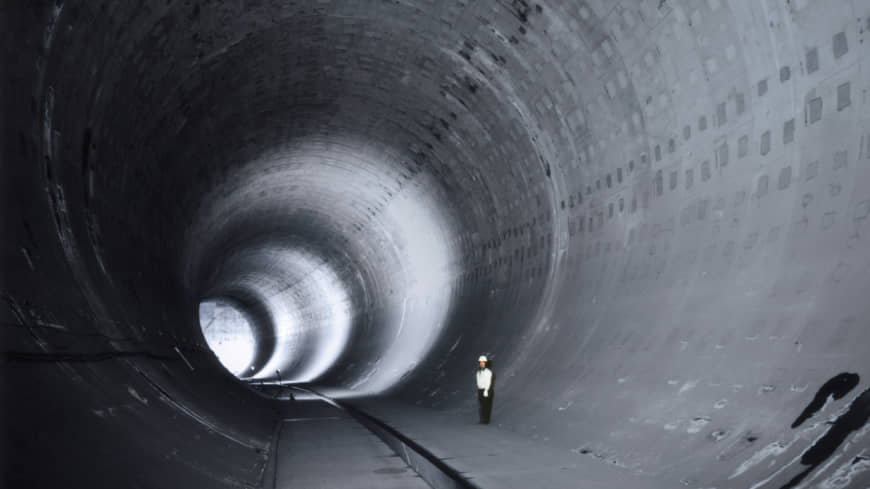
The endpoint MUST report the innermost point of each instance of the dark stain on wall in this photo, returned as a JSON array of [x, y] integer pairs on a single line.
[[838, 386], [854, 419]]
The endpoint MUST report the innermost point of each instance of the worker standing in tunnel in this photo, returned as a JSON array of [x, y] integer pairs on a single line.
[[485, 391]]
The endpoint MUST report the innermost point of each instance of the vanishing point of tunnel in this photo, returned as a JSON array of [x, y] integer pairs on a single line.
[[652, 216]]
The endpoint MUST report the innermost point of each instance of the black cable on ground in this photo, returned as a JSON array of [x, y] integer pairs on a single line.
[[20, 356], [455, 477]]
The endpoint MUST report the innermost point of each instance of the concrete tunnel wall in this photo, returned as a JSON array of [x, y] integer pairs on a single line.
[[651, 215]]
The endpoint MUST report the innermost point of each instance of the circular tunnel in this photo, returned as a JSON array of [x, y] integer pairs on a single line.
[[349, 253], [650, 214]]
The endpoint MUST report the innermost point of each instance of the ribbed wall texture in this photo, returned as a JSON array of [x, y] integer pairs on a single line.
[[651, 215]]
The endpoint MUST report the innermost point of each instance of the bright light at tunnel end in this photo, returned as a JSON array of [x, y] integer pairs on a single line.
[[229, 335], [312, 317]]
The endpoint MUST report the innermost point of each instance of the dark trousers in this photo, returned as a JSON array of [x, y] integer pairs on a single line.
[[485, 405]]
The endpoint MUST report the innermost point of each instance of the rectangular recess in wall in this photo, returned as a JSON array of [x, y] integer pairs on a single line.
[[761, 189], [840, 45], [788, 131], [814, 108], [784, 178], [765, 143], [722, 154], [705, 170], [740, 103], [844, 98], [812, 60]]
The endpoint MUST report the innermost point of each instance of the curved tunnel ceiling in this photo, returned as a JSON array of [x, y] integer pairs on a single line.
[[650, 214]]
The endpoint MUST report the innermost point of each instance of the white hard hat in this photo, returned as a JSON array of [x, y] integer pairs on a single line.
[[482, 358]]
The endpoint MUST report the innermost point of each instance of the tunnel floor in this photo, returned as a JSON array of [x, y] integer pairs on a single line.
[[318, 445], [317, 435], [492, 456]]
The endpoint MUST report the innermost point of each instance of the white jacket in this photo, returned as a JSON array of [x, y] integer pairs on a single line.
[[484, 380]]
